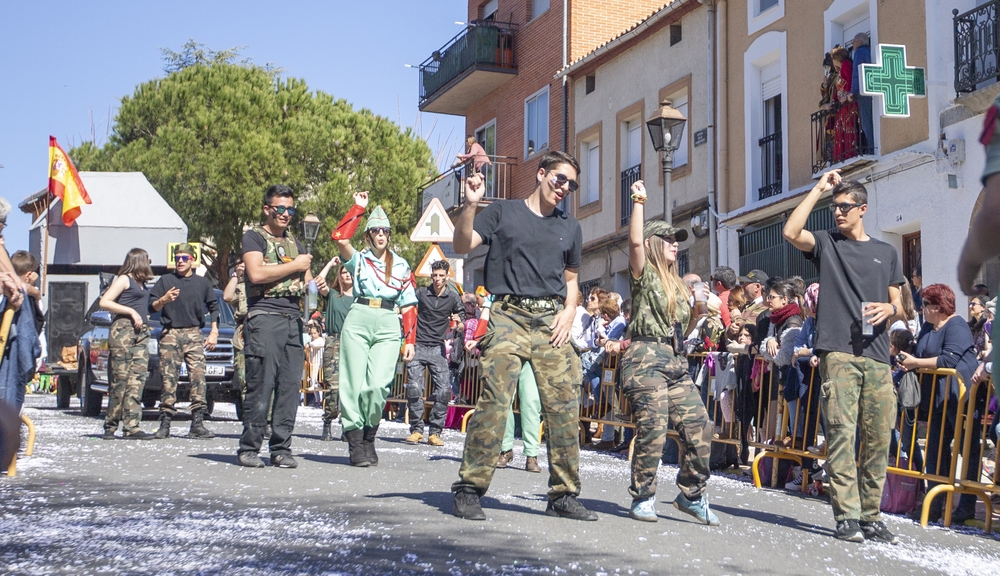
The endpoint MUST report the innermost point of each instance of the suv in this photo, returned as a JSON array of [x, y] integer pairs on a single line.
[[93, 369]]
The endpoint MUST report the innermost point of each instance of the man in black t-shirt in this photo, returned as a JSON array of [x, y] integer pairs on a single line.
[[534, 256], [854, 268], [277, 271], [436, 305]]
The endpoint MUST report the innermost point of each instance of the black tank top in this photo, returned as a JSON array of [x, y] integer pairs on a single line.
[[136, 297]]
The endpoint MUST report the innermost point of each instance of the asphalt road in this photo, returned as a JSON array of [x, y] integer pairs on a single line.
[[82, 505]]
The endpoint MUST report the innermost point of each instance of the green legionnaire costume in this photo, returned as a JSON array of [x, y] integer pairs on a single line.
[[370, 338]]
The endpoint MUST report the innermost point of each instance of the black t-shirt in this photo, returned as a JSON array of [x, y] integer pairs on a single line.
[[852, 272], [434, 314], [254, 242], [195, 298], [527, 252]]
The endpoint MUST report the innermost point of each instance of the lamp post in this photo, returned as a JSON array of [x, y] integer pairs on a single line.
[[666, 126], [310, 229]]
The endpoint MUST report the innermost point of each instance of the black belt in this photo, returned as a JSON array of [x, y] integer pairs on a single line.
[[547, 303], [376, 303], [656, 339]]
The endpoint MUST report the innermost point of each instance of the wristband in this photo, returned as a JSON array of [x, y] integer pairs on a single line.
[[895, 311], [410, 325], [348, 224], [638, 199]]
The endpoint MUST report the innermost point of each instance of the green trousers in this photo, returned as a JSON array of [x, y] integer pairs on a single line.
[[531, 414], [369, 349]]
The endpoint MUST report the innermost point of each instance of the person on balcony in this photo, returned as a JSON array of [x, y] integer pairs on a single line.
[[862, 55], [845, 125], [475, 155]]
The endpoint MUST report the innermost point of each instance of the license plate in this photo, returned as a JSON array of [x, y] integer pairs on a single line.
[[210, 370]]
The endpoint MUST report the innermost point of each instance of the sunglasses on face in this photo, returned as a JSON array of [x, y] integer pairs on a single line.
[[182, 258], [377, 231], [280, 210], [561, 180], [845, 207]]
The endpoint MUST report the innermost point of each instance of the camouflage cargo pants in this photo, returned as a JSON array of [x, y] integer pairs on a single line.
[[857, 393], [516, 336], [659, 388], [331, 378], [179, 345], [129, 359]]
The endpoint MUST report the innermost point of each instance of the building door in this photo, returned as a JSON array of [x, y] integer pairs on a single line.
[[911, 254]]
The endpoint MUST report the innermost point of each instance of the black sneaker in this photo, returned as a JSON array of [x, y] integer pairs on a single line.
[[283, 461], [849, 530], [250, 460], [878, 532], [138, 435], [567, 506], [108, 435], [467, 505]]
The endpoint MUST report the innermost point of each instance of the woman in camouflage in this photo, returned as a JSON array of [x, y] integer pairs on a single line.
[[128, 299], [655, 375]]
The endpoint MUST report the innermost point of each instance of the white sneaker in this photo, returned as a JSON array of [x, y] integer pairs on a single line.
[[796, 482]]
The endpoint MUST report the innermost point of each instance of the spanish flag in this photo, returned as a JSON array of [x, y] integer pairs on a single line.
[[65, 183]]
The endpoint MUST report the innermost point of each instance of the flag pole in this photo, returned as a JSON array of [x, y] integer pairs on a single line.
[[45, 250]]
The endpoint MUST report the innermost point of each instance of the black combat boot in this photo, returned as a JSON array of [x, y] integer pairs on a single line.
[[356, 448], [369, 437], [198, 429], [327, 434], [164, 431]]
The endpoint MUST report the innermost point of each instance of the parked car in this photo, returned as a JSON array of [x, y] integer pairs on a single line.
[[93, 369]]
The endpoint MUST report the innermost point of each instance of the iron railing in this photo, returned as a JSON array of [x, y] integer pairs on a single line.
[[486, 45], [766, 249], [837, 137], [977, 45], [629, 176], [770, 166], [449, 187]]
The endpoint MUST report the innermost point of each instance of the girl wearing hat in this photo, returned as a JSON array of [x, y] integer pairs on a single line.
[[370, 337], [655, 376]]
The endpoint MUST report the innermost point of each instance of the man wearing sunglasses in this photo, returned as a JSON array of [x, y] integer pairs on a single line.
[[277, 272], [534, 256], [854, 268], [184, 297]]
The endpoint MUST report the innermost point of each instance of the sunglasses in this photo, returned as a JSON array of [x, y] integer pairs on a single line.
[[561, 180], [280, 210], [380, 230], [845, 207], [182, 258]]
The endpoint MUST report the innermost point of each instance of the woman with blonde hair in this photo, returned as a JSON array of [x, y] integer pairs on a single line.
[[128, 299], [655, 377]]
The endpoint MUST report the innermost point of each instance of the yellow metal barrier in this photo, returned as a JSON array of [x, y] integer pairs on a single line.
[[29, 448], [978, 411]]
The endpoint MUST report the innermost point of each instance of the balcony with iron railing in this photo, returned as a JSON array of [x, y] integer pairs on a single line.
[[838, 140], [470, 66], [628, 178], [770, 166], [449, 187], [977, 46]]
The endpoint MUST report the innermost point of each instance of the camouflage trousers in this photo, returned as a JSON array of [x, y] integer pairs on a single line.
[[516, 336], [128, 356], [179, 345], [331, 378], [857, 394], [659, 389]]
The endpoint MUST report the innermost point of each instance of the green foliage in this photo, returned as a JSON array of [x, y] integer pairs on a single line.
[[213, 135]]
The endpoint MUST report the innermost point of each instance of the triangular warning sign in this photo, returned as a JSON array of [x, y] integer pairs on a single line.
[[434, 253], [434, 225]]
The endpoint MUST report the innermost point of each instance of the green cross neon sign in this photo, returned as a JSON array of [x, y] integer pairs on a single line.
[[893, 80]]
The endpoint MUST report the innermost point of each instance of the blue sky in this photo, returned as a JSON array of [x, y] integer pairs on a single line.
[[66, 64]]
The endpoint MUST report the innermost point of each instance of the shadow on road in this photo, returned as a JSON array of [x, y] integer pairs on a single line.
[[774, 519]]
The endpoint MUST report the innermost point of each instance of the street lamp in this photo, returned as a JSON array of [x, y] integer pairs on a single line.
[[666, 126], [310, 229]]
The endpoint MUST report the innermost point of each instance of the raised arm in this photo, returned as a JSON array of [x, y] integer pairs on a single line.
[[466, 239], [636, 247], [795, 229], [349, 224], [983, 242]]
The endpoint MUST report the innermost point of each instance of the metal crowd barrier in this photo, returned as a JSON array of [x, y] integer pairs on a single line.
[[985, 483], [470, 387]]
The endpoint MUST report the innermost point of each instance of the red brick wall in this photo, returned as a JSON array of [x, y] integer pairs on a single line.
[[538, 55]]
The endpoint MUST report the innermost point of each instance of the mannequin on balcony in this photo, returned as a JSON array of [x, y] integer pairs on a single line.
[[845, 139]]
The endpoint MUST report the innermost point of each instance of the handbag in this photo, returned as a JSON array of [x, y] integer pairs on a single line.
[[909, 391]]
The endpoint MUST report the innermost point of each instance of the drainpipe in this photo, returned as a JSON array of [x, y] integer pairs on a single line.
[[565, 79], [721, 131], [713, 240]]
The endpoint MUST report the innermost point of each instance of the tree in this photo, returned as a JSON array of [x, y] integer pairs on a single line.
[[213, 134]]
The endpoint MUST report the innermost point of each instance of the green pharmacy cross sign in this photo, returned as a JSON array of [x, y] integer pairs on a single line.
[[893, 80]]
